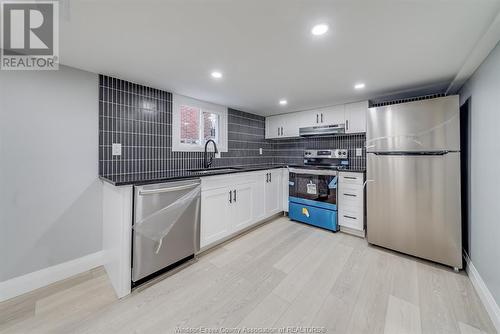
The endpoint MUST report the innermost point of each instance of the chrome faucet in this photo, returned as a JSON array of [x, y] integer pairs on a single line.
[[208, 163]]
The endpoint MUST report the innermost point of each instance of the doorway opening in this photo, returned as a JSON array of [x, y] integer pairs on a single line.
[[465, 171]]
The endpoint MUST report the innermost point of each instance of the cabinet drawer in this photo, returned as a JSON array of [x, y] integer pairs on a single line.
[[351, 178], [345, 201], [351, 204], [351, 196], [351, 218], [227, 180], [354, 213]]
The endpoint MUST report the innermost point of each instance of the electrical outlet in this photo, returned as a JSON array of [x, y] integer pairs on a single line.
[[359, 152], [116, 149], [260, 151]]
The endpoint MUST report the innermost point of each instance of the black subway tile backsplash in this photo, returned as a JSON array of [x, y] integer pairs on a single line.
[[140, 119], [291, 151]]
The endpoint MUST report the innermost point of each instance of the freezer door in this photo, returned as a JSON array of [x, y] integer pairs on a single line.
[[429, 125], [413, 205], [153, 204]]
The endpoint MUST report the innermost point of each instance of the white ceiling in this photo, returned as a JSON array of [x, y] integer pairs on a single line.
[[265, 49]]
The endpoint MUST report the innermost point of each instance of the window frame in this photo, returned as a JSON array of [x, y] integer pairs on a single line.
[[180, 100]]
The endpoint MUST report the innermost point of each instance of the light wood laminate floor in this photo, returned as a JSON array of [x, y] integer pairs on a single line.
[[281, 274]]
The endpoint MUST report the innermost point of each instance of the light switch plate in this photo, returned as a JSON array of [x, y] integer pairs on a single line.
[[359, 152], [217, 155], [260, 151], [116, 149]]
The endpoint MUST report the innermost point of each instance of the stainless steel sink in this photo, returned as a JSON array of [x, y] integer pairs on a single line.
[[214, 170]]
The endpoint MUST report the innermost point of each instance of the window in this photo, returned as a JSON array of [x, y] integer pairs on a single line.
[[190, 125], [210, 126], [198, 126], [194, 122]]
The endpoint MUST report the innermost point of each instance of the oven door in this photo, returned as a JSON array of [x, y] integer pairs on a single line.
[[314, 184]]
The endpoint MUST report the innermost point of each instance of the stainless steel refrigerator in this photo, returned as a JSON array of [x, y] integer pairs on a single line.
[[413, 179]]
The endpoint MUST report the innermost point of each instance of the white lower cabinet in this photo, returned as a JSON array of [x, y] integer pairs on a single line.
[[233, 202], [351, 202], [273, 193], [259, 196], [241, 207], [215, 216], [285, 181]]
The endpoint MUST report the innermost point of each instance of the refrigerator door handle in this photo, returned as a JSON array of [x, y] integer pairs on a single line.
[[366, 182], [409, 153]]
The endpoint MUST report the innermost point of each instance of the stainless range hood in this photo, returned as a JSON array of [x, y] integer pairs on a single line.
[[322, 130]]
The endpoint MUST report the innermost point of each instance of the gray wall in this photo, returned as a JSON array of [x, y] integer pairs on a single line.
[[50, 196], [483, 88]]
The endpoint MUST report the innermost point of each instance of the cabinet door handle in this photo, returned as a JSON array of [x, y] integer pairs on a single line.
[[347, 124], [267, 177], [350, 217], [321, 117], [278, 131], [282, 131], [350, 195], [234, 195], [230, 197], [350, 177], [270, 177], [317, 118]]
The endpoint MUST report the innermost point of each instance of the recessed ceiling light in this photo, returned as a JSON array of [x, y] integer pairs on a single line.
[[319, 29], [216, 74], [283, 102], [359, 86]]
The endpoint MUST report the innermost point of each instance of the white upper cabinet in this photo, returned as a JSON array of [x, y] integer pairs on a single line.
[[282, 126], [333, 115], [275, 126], [317, 117], [355, 117]]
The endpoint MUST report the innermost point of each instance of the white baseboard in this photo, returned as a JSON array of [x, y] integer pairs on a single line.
[[483, 292], [38, 279], [353, 231]]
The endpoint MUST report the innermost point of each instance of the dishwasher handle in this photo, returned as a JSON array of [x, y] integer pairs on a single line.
[[167, 190]]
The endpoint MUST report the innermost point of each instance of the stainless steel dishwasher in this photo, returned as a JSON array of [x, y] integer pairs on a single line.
[[166, 228]]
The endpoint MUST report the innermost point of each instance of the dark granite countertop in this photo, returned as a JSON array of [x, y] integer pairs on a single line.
[[160, 177]]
